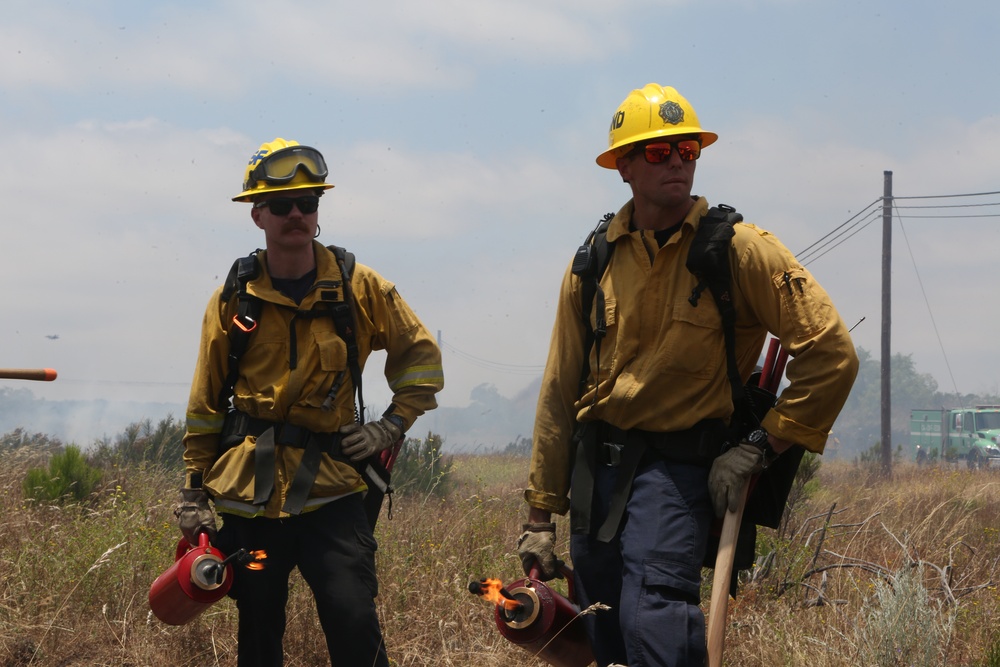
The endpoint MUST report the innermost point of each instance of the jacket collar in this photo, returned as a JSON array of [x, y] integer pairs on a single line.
[[621, 222]]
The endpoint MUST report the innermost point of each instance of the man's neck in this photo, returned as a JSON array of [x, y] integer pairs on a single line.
[[654, 217], [286, 263]]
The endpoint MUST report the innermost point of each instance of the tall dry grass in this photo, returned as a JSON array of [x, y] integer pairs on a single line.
[[867, 572]]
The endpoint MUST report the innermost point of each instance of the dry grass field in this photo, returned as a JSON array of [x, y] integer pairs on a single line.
[[866, 572]]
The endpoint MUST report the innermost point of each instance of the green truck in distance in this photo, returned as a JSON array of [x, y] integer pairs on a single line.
[[972, 434]]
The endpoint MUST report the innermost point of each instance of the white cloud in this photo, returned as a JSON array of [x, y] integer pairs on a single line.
[[461, 138]]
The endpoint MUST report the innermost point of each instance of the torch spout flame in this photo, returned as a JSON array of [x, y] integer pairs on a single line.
[[255, 560], [492, 590]]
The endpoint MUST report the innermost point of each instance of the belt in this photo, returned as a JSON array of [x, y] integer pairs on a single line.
[[239, 425], [600, 443], [698, 445]]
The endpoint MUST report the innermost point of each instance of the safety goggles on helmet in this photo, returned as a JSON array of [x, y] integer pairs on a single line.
[[282, 206], [281, 166], [655, 152]]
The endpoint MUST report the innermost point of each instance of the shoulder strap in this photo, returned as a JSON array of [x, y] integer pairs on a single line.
[[344, 320], [589, 264], [248, 312], [244, 321], [708, 260]]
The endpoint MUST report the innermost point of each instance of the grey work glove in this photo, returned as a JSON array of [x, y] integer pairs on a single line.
[[194, 515], [729, 473], [359, 442], [537, 544]]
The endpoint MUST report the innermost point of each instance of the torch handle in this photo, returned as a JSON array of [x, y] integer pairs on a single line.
[[770, 378], [768, 368], [779, 369], [43, 374], [716, 634], [564, 571]]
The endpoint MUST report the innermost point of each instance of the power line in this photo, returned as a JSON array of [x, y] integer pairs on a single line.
[[927, 303], [965, 194], [514, 369], [868, 214], [946, 206], [805, 257], [836, 229]]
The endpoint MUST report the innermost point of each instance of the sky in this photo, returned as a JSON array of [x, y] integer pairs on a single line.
[[461, 138]]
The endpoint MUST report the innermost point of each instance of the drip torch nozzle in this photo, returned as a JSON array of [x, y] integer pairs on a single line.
[[217, 570], [483, 587], [493, 591]]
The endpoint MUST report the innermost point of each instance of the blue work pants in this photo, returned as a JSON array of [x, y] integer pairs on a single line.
[[650, 573]]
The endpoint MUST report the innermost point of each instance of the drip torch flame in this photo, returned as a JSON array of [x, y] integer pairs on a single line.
[[492, 590], [256, 560]]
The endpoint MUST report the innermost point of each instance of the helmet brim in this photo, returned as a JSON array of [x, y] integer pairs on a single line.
[[248, 195]]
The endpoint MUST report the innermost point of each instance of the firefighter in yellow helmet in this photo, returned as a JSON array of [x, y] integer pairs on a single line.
[[276, 439], [647, 441]]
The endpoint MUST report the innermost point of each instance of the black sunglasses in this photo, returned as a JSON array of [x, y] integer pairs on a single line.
[[281, 206]]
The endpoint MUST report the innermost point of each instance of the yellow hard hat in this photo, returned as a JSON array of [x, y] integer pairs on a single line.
[[283, 165], [650, 112]]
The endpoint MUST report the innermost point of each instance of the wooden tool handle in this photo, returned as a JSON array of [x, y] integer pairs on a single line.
[[43, 374]]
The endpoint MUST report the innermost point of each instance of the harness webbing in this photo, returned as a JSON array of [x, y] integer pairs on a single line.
[[342, 311], [708, 261], [248, 313]]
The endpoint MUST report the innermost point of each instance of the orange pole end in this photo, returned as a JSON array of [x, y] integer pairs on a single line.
[[42, 374]]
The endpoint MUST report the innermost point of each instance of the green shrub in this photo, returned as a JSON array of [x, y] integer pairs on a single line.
[[69, 477], [902, 625], [142, 444]]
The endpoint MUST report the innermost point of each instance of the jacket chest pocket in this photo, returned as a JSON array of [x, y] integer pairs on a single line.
[[694, 342], [332, 351]]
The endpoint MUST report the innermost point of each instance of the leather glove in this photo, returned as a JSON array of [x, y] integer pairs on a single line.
[[194, 515], [537, 545], [730, 472], [360, 442]]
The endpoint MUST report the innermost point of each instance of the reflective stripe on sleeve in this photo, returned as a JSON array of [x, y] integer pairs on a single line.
[[205, 423], [418, 375]]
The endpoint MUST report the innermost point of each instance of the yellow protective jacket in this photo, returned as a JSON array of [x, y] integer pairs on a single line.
[[662, 365], [284, 383]]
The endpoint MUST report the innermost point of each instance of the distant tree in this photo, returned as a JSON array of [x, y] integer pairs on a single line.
[[957, 400], [21, 439], [520, 447], [422, 468], [859, 425], [143, 444], [69, 476]]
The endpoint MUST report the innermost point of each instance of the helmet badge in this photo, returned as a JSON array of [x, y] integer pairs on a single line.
[[671, 112]]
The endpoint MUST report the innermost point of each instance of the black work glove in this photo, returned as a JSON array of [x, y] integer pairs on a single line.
[[194, 514]]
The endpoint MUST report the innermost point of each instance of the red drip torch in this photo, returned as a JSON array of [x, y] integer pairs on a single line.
[[199, 577], [538, 619]]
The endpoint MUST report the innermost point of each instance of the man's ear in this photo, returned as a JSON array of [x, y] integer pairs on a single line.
[[255, 214]]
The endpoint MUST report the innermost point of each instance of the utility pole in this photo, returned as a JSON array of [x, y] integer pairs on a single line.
[[886, 323]]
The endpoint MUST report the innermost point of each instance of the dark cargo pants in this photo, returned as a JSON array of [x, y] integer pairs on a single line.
[[650, 573], [334, 549]]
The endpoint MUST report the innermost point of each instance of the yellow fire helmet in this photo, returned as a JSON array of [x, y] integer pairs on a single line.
[[650, 112], [283, 165]]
